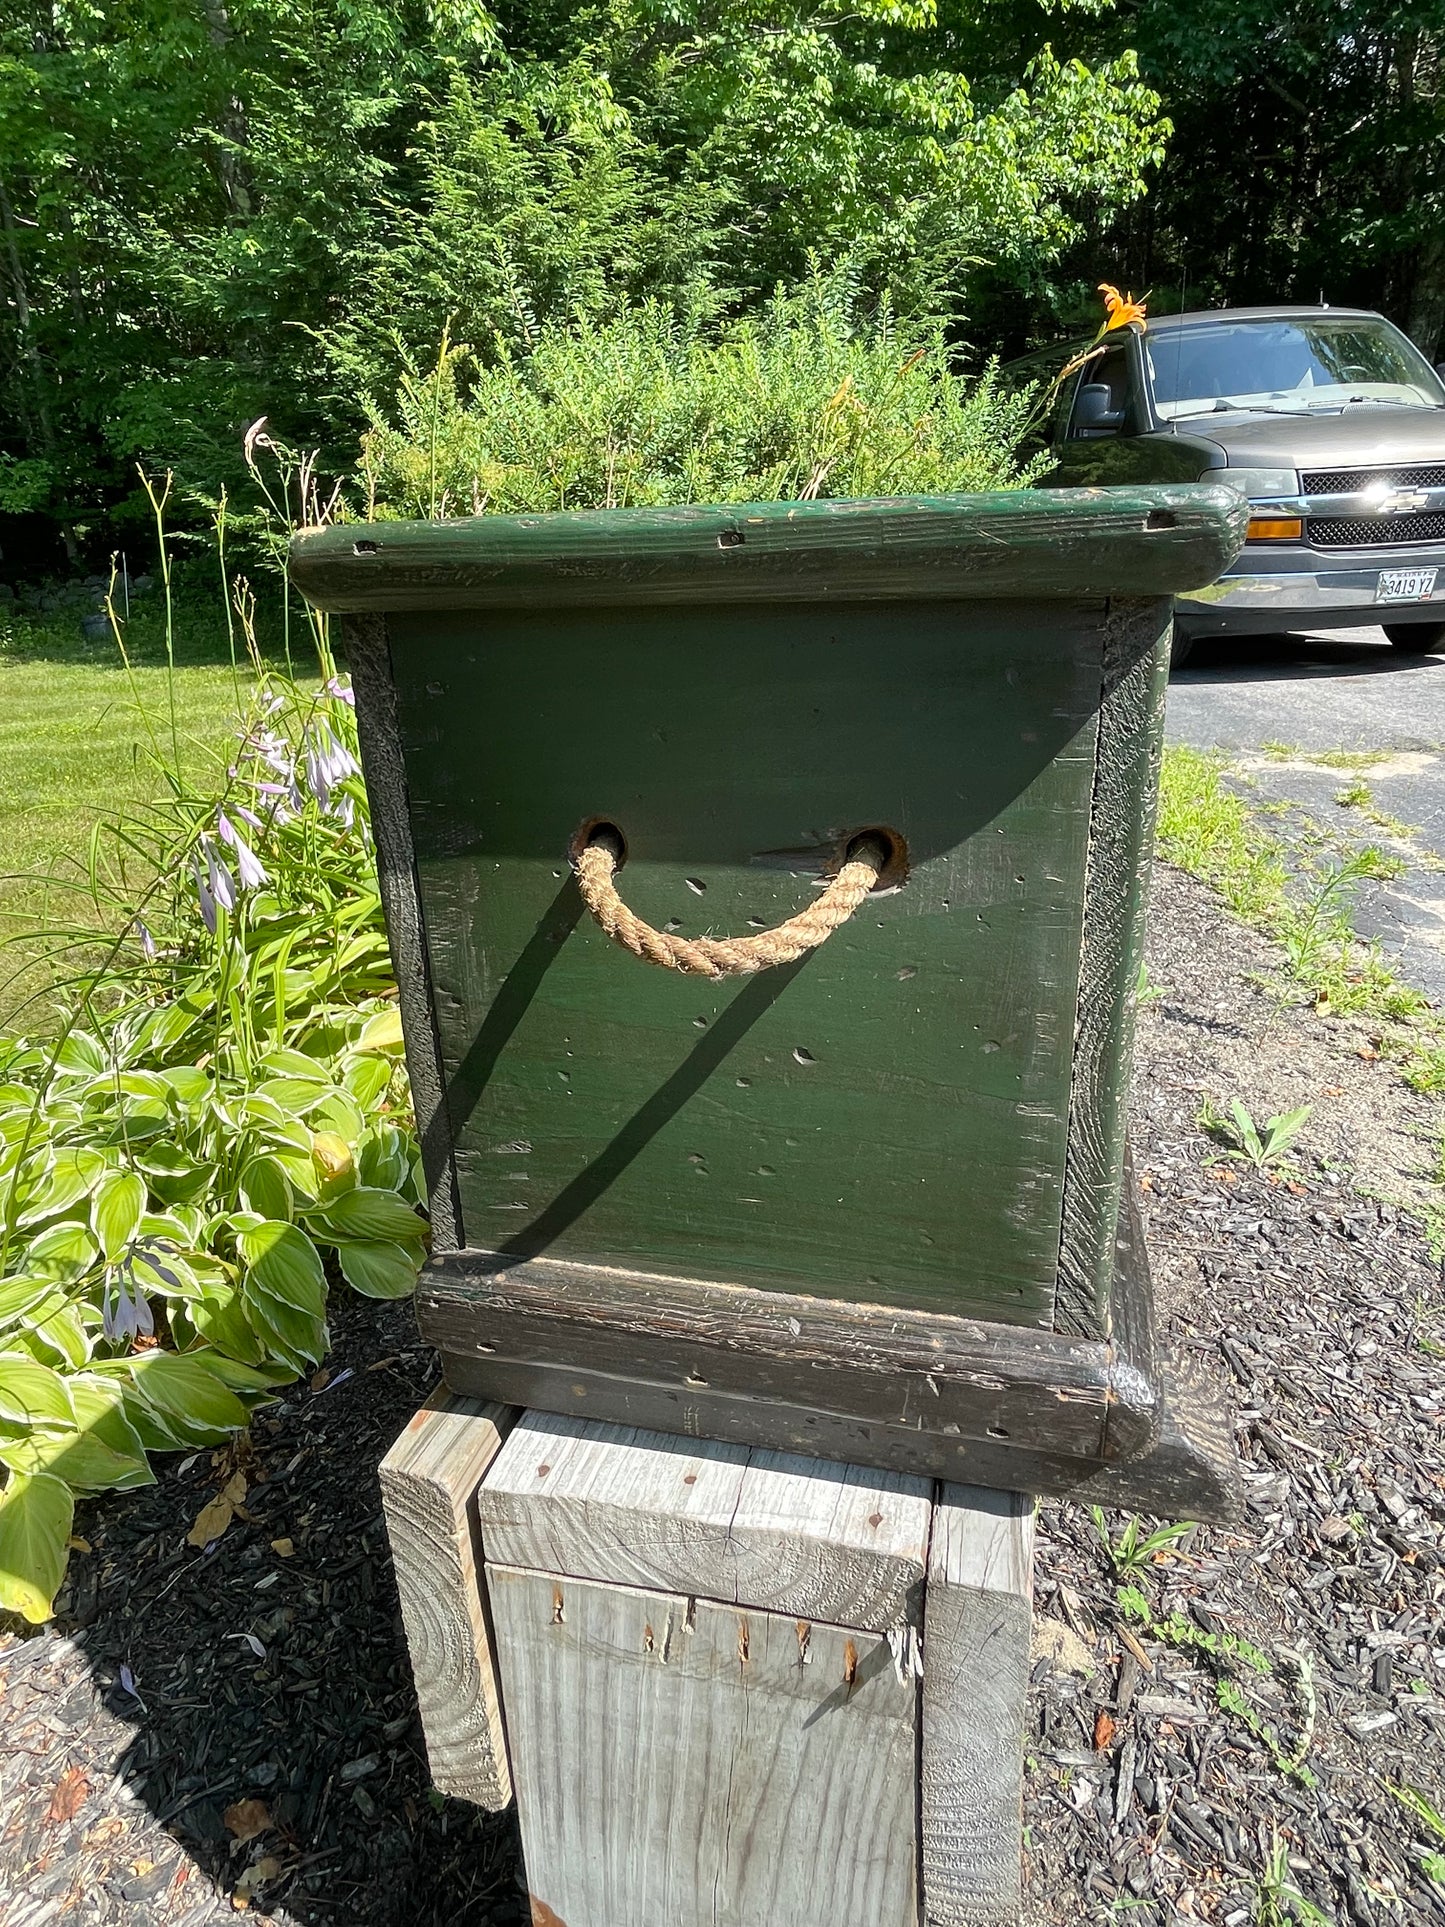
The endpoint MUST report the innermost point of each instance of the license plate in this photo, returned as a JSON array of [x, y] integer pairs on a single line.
[[1406, 585]]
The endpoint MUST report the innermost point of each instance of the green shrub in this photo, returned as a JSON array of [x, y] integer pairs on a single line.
[[798, 402]]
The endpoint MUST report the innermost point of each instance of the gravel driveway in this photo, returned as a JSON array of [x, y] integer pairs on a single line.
[[1275, 703]]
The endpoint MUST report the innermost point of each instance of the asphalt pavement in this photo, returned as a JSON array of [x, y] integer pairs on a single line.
[[1276, 704]]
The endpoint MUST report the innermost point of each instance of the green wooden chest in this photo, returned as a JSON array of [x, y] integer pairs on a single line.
[[868, 1203]]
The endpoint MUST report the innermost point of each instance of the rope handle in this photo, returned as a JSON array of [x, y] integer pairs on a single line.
[[596, 864]]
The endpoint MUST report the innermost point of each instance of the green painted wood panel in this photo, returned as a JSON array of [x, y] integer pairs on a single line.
[[886, 1120], [1026, 543]]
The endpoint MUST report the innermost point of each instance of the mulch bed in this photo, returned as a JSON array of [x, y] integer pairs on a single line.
[[1321, 1311], [177, 1686]]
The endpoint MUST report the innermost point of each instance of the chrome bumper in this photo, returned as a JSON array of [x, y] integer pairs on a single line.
[[1290, 588]]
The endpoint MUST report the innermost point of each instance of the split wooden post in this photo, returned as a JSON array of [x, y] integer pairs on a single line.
[[722, 1668], [429, 1484]]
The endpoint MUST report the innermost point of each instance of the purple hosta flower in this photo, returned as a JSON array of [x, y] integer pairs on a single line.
[[223, 884], [340, 690], [147, 941], [203, 896], [249, 867], [123, 1316], [328, 762], [248, 816], [287, 802]]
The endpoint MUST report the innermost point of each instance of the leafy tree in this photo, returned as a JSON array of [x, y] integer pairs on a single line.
[[1309, 158], [212, 211]]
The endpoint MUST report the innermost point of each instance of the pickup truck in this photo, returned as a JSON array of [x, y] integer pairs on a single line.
[[1329, 420]]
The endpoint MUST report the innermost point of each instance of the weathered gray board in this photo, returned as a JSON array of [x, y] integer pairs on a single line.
[[696, 1760], [429, 1484]]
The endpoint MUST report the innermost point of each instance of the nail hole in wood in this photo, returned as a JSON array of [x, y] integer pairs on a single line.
[[1161, 519], [804, 1056], [365, 547], [695, 884], [731, 539]]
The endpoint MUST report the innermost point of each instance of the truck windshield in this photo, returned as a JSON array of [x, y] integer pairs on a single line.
[[1301, 365]]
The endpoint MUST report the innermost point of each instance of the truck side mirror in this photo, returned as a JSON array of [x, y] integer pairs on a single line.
[[1094, 412]]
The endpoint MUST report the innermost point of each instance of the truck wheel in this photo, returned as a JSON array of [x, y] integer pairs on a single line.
[[1181, 647], [1416, 638]]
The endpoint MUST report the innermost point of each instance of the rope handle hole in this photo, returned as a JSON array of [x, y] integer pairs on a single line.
[[887, 844], [598, 829]]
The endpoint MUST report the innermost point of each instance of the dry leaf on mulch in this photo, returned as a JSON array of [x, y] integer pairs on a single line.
[[72, 1790], [246, 1819], [214, 1517]]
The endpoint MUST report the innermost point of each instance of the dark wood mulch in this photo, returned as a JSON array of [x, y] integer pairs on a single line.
[[1321, 1312], [129, 1732]]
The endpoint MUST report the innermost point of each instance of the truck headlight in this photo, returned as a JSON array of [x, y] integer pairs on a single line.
[[1258, 484]]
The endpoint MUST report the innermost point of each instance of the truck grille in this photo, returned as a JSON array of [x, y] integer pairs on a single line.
[[1376, 531], [1350, 481]]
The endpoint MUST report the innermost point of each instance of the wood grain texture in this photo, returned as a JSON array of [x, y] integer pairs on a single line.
[[748, 1527], [1191, 1470], [885, 1119], [1121, 843], [1030, 542], [688, 1763], [429, 1481], [952, 1376], [368, 658], [979, 1605]]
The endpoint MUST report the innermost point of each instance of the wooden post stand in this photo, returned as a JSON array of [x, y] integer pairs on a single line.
[[741, 1688]]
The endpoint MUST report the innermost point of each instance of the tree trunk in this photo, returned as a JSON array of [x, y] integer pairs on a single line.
[[235, 133], [1426, 325], [32, 357]]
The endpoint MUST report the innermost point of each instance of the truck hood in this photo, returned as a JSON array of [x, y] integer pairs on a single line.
[[1366, 436]]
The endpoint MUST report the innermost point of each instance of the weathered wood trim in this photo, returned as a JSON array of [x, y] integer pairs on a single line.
[[879, 1364], [764, 1530], [429, 1482], [368, 657], [1121, 841], [1190, 1471], [1134, 1420], [978, 1609], [1074, 543]]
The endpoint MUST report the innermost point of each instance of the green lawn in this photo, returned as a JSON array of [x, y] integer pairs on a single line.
[[75, 748]]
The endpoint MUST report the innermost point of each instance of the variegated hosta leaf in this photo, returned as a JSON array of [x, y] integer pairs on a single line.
[[379, 1270], [33, 1394], [36, 1511], [116, 1207]]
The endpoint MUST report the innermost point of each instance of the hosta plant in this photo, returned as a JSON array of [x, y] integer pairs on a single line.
[[221, 1126]]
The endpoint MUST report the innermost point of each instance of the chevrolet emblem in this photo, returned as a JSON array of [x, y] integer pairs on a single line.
[[1398, 501]]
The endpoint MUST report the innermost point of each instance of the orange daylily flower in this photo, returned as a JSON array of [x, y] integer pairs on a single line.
[[1120, 309]]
